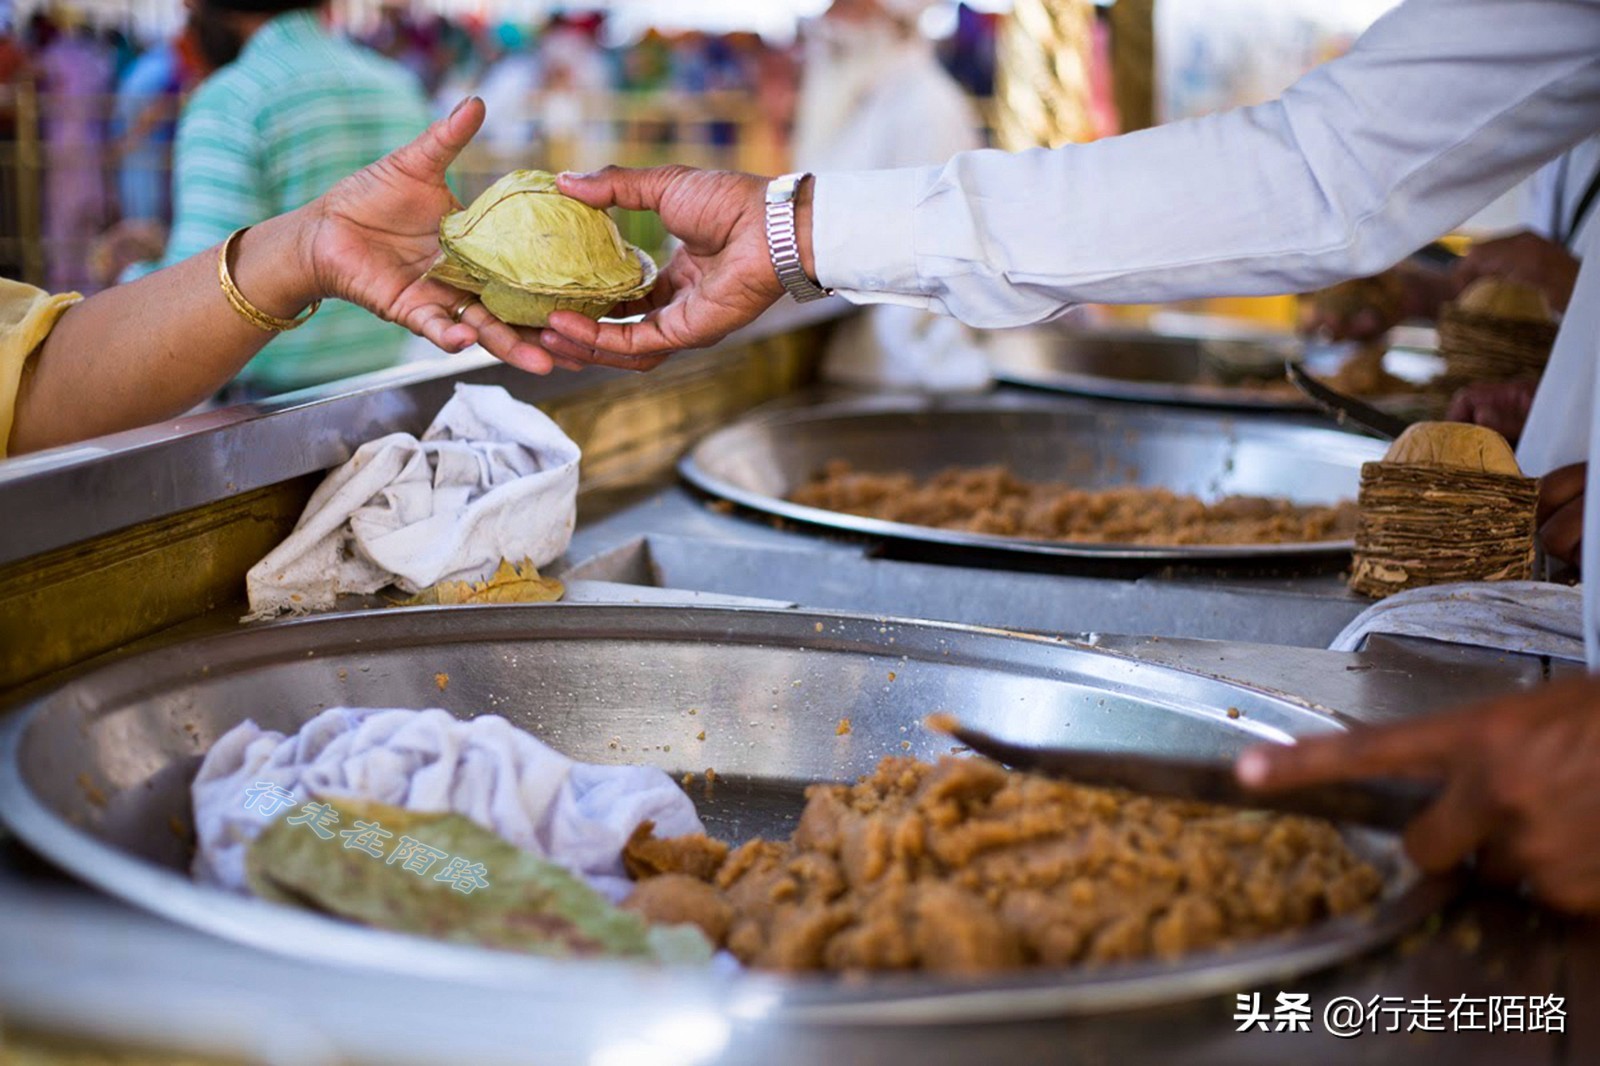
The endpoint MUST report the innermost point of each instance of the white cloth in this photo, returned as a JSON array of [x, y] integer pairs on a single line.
[[492, 479], [876, 100], [1440, 107], [1527, 617], [576, 814]]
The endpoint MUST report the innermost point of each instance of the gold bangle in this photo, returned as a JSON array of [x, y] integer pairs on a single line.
[[247, 310]]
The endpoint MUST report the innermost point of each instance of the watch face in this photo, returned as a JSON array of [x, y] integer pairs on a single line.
[[781, 190]]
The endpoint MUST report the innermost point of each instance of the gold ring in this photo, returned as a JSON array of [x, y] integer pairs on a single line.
[[461, 307]]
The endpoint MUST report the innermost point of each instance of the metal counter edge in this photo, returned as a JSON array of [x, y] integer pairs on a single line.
[[69, 494]]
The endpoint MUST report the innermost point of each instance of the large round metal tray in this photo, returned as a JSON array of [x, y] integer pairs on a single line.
[[759, 461], [95, 774], [1201, 371]]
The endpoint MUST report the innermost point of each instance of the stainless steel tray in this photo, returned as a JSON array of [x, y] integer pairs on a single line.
[[1198, 371], [94, 775], [758, 461]]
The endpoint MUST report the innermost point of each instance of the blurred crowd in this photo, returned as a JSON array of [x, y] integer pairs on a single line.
[[108, 105]]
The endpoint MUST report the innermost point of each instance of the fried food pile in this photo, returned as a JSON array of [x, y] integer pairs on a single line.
[[991, 499], [965, 867]]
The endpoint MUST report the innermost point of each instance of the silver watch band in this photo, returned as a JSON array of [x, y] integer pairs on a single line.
[[783, 244]]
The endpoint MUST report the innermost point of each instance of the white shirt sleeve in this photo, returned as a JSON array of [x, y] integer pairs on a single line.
[[1440, 107]]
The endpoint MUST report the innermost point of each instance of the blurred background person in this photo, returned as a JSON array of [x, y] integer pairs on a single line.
[[291, 109], [75, 72], [14, 66], [874, 96], [144, 121]]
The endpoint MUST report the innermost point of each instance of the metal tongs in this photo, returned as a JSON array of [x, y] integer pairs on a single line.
[[1382, 804]]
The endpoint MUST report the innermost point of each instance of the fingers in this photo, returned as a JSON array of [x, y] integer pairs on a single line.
[[1562, 533], [1561, 487], [1455, 827], [1417, 748], [633, 190], [434, 322], [647, 337], [505, 342], [431, 154], [585, 355], [1462, 406]]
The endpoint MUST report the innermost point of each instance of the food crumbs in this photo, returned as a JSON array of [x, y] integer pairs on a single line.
[[1233, 712], [711, 776], [666, 747], [818, 627], [905, 745], [694, 710], [441, 680], [688, 779], [891, 675], [721, 506], [343, 673], [700, 735], [614, 742], [90, 792], [843, 728]]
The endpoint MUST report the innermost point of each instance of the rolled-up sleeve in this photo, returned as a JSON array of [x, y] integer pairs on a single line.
[[1436, 110], [27, 315]]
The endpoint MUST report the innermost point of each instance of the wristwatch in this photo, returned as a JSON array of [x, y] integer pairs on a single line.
[[783, 245]]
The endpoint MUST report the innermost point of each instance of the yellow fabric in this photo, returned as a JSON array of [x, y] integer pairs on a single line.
[[27, 315]]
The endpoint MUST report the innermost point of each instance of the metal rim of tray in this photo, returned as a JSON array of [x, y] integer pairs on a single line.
[[693, 470], [1174, 393], [883, 1000], [1186, 394]]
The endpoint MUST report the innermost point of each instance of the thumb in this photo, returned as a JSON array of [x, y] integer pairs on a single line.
[[632, 190], [431, 154]]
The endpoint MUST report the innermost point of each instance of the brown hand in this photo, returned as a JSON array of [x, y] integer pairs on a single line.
[[1519, 785], [371, 239], [1523, 257], [1560, 517], [1500, 405]]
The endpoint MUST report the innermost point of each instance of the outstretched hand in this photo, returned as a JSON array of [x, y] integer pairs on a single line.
[[372, 237], [719, 279], [1519, 785]]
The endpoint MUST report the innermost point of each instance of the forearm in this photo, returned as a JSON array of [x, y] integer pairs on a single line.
[[155, 347], [1442, 106]]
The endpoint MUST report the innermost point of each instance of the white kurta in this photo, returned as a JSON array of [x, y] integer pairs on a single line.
[[1440, 107], [1555, 195]]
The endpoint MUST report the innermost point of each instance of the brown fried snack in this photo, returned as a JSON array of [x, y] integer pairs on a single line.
[[965, 867], [991, 499]]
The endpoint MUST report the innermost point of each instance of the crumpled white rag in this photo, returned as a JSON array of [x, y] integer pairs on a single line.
[[491, 479], [576, 814], [1528, 617]]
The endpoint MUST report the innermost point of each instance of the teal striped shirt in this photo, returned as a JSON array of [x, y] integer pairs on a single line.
[[298, 110]]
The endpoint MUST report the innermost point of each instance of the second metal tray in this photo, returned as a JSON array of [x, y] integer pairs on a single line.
[[1205, 371], [759, 461]]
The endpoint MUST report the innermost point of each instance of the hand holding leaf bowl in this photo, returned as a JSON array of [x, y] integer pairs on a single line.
[[528, 250]]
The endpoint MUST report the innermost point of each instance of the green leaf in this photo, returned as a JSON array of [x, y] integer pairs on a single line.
[[529, 904]]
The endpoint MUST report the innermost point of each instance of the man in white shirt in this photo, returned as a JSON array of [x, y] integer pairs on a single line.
[[1439, 108], [874, 96]]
